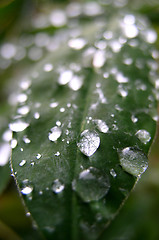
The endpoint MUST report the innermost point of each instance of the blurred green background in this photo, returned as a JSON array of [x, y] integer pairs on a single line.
[[139, 218]]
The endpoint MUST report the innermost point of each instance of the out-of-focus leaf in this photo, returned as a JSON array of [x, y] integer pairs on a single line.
[[86, 119]]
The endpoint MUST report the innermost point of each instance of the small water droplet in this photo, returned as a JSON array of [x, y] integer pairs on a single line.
[[54, 104], [99, 58], [58, 123], [113, 173], [7, 135], [65, 77], [57, 186], [89, 142], [57, 154], [22, 163], [23, 110], [143, 135], [13, 143], [54, 133], [76, 83], [26, 140], [36, 115], [77, 43], [134, 119], [133, 161], [27, 188], [18, 126], [91, 185], [48, 67], [101, 125], [38, 156], [62, 109]]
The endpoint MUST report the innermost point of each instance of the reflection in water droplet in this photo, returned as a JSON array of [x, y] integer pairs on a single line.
[[133, 161], [18, 126], [89, 142], [54, 133], [92, 184], [143, 135], [101, 125], [22, 163], [57, 186]]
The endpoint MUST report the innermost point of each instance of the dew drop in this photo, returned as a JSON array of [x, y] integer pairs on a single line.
[[76, 83], [65, 77], [143, 135], [58, 123], [23, 110], [134, 119], [13, 143], [89, 142], [57, 154], [62, 109], [57, 187], [133, 161], [101, 125], [7, 135], [91, 185], [99, 58], [22, 163], [54, 133], [26, 140], [36, 115], [54, 104], [48, 67], [113, 173], [38, 156], [77, 43], [18, 126], [27, 187]]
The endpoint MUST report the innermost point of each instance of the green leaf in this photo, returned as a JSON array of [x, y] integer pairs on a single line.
[[91, 116]]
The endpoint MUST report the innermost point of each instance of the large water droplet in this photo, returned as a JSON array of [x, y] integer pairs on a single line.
[[55, 133], [89, 142], [143, 135], [92, 184], [101, 125], [133, 161], [57, 186]]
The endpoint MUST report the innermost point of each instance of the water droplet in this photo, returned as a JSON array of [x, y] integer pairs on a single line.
[[13, 143], [5, 152], [57, 186], [65, 77], [134, 119], [62, 109], [133, 161], [7, 135], [91, 185], [26, 139], [58, 18], [143, 135], [55, 133], [38, 156], [18, 126], [76, 83], [27, 188], [151, 36], [57, 154], [113, 173], [8, 50], [48, 67], [54, 104], [58, 123], [99, 58], [77, 43], [22, 163], [101, 125], [28, 214], [21, 98], [121, 78], [36, 115], [89, 142], [23, 110]]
